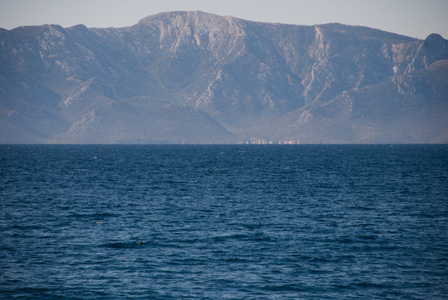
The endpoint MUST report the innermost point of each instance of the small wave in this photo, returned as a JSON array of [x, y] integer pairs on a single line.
[[252, 237], [124, 245], [221, 238], [237, 260], [26, 227], [367, 237], [369, 285], [92, 215], [284, 287]]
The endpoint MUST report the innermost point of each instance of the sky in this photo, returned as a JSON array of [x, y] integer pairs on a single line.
[[414, 18]]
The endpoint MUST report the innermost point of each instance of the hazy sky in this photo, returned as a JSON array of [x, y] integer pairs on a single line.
[[415, 18]]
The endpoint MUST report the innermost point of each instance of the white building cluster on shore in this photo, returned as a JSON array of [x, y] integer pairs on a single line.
[[255, 141]]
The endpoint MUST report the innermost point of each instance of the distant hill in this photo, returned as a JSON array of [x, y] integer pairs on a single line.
[[194, 77]]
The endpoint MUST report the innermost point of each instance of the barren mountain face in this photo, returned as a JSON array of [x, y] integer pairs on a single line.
[[193, 77]]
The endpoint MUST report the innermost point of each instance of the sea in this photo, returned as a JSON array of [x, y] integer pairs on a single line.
[[224, 221]]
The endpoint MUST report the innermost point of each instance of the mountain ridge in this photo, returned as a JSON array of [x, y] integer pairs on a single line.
[[218, 80]]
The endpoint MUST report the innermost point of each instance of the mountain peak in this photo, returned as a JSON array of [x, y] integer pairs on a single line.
[[434, 39], [173, 15]]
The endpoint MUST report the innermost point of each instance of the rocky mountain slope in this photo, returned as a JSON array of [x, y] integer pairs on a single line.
[[193, 77]]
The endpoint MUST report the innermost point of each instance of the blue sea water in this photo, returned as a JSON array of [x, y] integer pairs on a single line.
[[224, 222]]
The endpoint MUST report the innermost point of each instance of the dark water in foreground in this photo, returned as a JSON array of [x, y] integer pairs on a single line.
[[224, 222]]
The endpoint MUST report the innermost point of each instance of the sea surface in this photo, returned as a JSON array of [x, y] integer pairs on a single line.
[[224, 221]]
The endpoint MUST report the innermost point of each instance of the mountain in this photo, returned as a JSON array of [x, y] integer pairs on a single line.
[[194, 77]]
